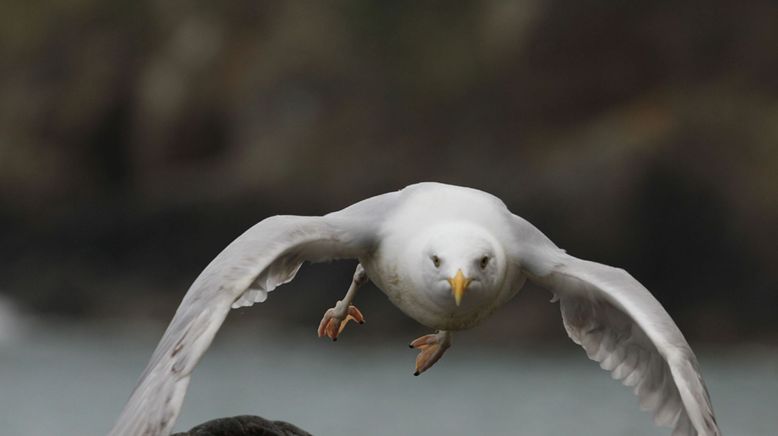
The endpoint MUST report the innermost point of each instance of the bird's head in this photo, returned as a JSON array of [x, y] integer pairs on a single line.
[[462, 265]]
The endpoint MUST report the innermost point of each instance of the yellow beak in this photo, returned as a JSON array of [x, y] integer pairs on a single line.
[[459, 285]]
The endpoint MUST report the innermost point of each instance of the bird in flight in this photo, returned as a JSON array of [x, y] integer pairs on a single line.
[[447, 256]]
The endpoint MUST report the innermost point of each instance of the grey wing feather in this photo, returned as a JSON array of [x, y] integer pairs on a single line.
[[623, 327], [264, 257]]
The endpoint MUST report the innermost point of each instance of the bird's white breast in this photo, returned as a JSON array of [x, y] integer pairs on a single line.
[[391, 265]]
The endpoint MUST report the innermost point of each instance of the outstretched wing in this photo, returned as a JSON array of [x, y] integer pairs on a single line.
[[624, 328], [264, 257]]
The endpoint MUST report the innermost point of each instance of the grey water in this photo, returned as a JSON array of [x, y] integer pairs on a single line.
[[61, 379]]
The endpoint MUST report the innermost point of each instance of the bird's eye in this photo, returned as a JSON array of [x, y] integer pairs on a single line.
[[484, 261], [435, 261]]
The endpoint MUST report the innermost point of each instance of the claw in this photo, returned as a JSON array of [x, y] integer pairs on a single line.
[[355, 314], [325, 321], [332, 325], [424, 341], [432, 349], [427, 358]]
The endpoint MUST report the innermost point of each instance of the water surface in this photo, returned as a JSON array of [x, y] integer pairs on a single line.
[[66, 380]]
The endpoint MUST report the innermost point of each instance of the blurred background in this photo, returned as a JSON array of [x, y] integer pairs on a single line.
[[138, 138]]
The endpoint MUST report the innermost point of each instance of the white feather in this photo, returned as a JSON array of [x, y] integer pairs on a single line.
[[264, 257], [620, 325]]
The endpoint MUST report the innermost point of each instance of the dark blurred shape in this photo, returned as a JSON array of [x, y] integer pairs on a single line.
[[244, 425]]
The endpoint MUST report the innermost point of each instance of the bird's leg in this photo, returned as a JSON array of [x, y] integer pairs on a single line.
[[336, 318], [432, 348]]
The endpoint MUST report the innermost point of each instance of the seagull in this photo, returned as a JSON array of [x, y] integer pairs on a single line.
[[448, 257]]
